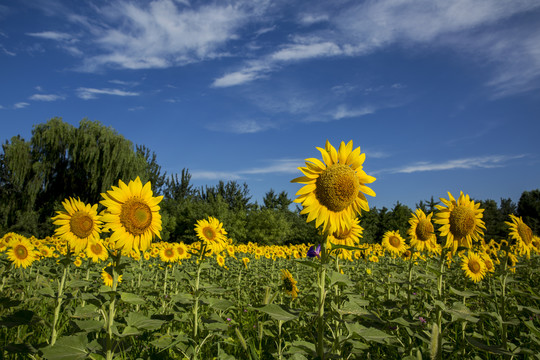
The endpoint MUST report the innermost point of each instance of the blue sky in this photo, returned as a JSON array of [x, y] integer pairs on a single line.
[[440, 95]]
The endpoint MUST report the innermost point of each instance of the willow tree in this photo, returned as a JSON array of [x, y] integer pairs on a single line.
[[59, 161]]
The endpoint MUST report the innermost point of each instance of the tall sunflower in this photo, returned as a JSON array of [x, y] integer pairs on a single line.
[[212, 233], [132, 215], [289, 284], [393, 242], [97, 251], [421, 231], [78, 224], [474, 266], [461, 221], [521, 233], [333, 191], [22, 252]]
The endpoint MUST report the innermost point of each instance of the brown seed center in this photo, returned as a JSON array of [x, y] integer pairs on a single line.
[[424, 230], [474, 266], [135, 216], [394, 241], [209, 233], [81, 224], [21, 252], [462, 221], [337, 187], [525, 233]]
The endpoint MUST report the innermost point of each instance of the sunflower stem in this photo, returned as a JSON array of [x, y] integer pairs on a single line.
[[59, 299], [440, 298], [322, 295], [112, 304], [196, 291]]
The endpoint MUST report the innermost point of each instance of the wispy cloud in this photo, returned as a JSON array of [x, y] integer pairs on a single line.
[[46, 97], [344, 112], [213, 175], [52, 35], [276, 166], [20, 105], [484, 162], [242, 126], [6, 51], [91, 93]]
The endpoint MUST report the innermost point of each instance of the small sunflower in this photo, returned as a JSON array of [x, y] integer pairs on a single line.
[[347, 236], [289, 284], [245, 260], [22, 252], [97, 251], [521, 233], [333, 191], [461, 221], [474, 266], [132, 215], [393, 242], [220, 260], [78, 224], [181, 250], [211, 232], [108, 278], [168, 253], [421, 231]]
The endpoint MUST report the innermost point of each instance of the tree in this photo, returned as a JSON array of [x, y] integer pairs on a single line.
[[529, 209]]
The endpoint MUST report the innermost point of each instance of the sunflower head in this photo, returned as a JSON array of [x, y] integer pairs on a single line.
[[461, 221], [22, 252], [393, 242], [421, 231], [474, 266], [334, 188], [168, 253], [289, 284], [132, 214], [212, 233], [78, 224]]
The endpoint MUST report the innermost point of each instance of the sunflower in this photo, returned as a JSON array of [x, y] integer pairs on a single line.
[[289, 284], [421, 231], [132, 215], [108, 278], [349, 236], [220, 260], [490, 267], [77, 262], [22, 252], [521, 233], [78, 224], [333, 191], [245, 260], [96, 251], [393, 242], [181, 251], [212, 233], [474, 266], [461, 221], [168, 253]]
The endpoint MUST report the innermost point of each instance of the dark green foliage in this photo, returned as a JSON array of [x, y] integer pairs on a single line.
[[529, 209]]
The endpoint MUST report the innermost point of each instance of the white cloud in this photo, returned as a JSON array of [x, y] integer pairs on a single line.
[[6, 51], [52, 35], [91, 93], [237, 78], [296, 52], [344, 112], [161, 34], [491, 161], [20, 105], [310, 19], [213, 175], [46, 97], [281, 166], [242, 126]]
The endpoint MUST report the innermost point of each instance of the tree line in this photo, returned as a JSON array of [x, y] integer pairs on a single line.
[[61, 160]]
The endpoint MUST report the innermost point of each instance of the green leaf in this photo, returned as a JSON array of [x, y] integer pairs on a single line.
[[88, 311], [338, 278], [488, 348], [220, 304], [278, 312], [143, 322], [75, 284], [464, 293], [89, 325], [130, 331], [68, 348], [309, 263], [21, 317], [368, 334], [132, 298]]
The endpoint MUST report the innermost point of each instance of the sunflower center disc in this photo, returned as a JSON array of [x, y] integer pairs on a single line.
[[474, 266], [342, 235], [135, 216], [462, 221], [424, 230], [337, 187], [169, 253], [96, 248], [525, 232], [81, 224], [394, 241], [209, 233], [21, 252]]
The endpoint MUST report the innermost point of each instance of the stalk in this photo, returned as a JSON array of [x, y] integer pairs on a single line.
[[59, 299], [112, 310], [197, 296], [440, 297], [321, 279]]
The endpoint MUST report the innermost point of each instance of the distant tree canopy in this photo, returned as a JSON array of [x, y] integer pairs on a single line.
[[61, 161]]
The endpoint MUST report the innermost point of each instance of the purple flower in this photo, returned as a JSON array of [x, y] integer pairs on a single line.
[[312, 252], [229, 319], [422, 320]]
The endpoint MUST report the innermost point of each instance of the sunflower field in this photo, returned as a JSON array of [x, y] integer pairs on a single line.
[[105, 286]]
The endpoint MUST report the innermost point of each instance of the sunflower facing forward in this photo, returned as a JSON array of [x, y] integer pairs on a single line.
[[132, 215], [461, 221], [521, 233], [333, 191], [421, 231], [474, 266], [212, 233], [79, 224], [22, 252], [393, 242]]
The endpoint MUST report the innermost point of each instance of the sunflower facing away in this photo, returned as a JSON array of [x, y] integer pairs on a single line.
[[108, 278], [421, 231], [393, 242], [521, 233], [333, 191], [474, 266], [289, 284], [132, 215], [79, 224], [461, 221], [349, 237], [22, 252], [212, 233]]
